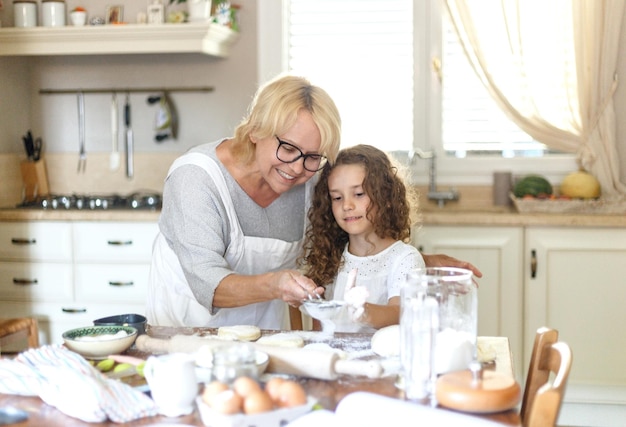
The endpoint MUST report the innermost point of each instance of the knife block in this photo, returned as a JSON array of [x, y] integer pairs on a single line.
[[35, 180]]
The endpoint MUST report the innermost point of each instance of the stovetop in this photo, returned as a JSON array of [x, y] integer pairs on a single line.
[[134, 201]]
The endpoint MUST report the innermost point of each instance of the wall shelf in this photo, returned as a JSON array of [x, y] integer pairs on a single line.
[[206, 38]]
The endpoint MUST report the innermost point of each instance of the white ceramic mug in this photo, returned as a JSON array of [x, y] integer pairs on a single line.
[[78, 18], [173, 383]]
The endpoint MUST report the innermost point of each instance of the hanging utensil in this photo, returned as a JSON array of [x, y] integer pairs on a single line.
[[82, 155], [173, 115], [166, 121], [114, 159], [129, 138]]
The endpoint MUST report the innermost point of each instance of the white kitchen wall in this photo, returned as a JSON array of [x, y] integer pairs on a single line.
[[203, 116]]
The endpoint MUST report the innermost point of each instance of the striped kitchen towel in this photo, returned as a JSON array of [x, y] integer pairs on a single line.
[[65, 380]]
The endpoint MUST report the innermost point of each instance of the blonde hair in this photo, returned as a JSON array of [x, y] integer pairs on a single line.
[[275, 108]]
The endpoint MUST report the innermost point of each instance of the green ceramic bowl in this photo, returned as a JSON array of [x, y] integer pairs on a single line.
[[98, 342]]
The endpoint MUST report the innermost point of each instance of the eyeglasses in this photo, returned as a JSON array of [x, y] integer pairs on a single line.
[[288, 153]]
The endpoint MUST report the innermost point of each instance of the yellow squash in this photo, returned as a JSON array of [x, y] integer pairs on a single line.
[[580, 185]]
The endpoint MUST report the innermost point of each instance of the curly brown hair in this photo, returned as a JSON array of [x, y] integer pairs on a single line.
[[390, 211]]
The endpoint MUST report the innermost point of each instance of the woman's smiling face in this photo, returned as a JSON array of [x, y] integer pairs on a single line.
[[281, 176]]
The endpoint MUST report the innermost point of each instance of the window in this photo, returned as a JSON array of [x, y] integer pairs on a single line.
[[375, 58], [361, 52], [471, 121]]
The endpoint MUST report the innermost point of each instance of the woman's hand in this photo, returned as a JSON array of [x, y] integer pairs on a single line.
[[293, 287], [441, 260]]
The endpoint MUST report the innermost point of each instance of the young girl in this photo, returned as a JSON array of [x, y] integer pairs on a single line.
[[360, 219]]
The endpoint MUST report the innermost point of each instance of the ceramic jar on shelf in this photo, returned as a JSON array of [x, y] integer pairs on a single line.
[[53, 13], [24, 13]]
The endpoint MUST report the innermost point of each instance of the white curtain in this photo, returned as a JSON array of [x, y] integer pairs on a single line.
[[551, 67]]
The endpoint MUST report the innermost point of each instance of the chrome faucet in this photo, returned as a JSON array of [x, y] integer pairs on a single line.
[[439, 196]]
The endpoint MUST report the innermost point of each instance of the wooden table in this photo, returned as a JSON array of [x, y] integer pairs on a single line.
[[328, 393]]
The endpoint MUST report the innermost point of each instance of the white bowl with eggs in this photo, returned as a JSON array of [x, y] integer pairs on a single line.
[[274, 418], [247, 402], [98, 342]]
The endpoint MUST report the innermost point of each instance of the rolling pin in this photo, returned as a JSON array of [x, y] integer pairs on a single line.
[[311, 363]]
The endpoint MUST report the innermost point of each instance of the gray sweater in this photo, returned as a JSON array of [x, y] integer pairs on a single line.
[[195, 225]]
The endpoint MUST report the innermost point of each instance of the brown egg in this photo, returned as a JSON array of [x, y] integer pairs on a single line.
[[227, 402], [256, 402], [244, 386], [290, 394], [211, 389], [271, 387]]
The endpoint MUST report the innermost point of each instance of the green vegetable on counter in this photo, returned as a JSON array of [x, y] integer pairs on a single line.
[[532, 185]]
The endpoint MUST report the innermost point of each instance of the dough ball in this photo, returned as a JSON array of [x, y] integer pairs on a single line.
[[386, 341], [282, 339], [239, 332]]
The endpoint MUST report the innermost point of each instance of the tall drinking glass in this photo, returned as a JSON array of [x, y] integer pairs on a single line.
[[438, 326]]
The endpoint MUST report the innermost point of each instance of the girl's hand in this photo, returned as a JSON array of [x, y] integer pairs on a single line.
[[355, 296]]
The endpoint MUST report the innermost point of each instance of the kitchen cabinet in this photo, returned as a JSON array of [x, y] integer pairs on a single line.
[[575, 281], [36, 263], [206, 38], [568, 278], [497, 251], [67, 274]]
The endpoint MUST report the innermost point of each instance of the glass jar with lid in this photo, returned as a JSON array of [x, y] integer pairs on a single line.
[[438, 326]]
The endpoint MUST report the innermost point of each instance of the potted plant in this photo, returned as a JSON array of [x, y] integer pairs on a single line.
[[198, 10]]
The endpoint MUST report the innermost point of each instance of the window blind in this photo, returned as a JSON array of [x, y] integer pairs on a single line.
[[361, 52]]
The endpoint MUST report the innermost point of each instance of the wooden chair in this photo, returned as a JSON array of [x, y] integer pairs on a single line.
[[16, 330], [543, 396], [295, 318]]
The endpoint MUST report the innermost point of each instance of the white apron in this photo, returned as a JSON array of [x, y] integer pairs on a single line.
[[170, 300]]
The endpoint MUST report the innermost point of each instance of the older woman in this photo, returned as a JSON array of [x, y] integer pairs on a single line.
[[234, 214]]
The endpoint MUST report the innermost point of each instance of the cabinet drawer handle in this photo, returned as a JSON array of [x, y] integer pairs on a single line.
[[24, 282], [121, 283], [120, 242], [74, 310], [533, 264], [22, 241]]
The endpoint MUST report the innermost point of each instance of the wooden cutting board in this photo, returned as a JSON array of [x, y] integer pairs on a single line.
[[495, 392]]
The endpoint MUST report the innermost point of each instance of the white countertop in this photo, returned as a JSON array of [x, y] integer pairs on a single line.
[[13, 214], [490, 216], [510, 217]]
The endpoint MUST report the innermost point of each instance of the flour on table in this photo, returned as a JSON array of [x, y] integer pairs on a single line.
[[282, 339]]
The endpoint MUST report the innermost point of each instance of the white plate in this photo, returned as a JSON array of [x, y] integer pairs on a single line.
[[276, 418]]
